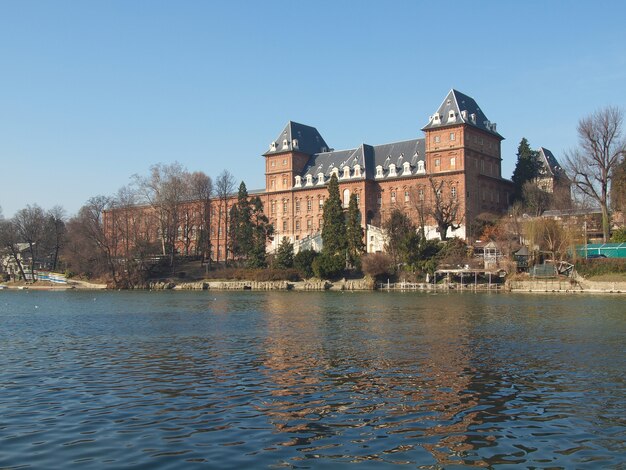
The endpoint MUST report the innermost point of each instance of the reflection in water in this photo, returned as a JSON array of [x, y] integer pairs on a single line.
[[284, 379]]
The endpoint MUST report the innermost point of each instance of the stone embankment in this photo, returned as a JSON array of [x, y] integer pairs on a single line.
[[308, 285], [576, 284]]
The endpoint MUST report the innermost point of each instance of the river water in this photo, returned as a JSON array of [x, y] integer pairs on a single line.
[[311, 380]]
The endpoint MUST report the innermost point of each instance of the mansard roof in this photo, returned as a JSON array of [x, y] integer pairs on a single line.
[[549, 163], [458, 108], [368, 157], [307, 140]]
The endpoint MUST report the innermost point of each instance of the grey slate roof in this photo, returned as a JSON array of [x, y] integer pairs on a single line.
[[368, 157], [465, 110], [550, 164], [308, 138]]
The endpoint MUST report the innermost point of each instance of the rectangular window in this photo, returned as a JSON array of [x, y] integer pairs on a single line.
[[285, 162], [309, 224], [297, 206], [452, 136], [437, 139], [437, 162], [273, 207], [421, 194], [406, 196], [308, 205], [393, 196], [453, 192], [380, 201], [298, 225], [321, 202], [273, 162], [285, 206], [284, 225], [453, 162], [358, 198]]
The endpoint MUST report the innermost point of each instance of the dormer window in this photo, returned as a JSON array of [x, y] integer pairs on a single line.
[[346, 172], [285, 144], [437, 118], [420, 167], [335, 171], [309, 180], [464, 114], [406, 169], [357, 171], [379, 171], [451, 116], [298, 182], [392, 170], [273, 146], [295, 144], [320, 178], [473, 118]]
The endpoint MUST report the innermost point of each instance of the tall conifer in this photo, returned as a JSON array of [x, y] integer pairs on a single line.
[[354, 232], [334, 229], [526, 168]]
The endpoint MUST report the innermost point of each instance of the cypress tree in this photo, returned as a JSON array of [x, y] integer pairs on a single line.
[[241, 234], [284, 254], [354, 232], [334, 229], [526, 168]]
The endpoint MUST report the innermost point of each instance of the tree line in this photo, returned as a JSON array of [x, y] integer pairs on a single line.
[[170, 213]]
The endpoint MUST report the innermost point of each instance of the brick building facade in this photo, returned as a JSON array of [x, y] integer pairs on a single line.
[[460, 156], [457, 161]]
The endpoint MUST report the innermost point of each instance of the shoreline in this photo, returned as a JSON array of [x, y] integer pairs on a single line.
[[515, 286]]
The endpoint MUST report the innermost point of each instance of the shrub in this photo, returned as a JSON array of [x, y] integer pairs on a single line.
[[619, 235], [303, 262], [377, 265], [599, 266], [327, 266]]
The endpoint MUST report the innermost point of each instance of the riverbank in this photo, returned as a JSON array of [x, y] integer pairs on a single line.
[[514, 284]]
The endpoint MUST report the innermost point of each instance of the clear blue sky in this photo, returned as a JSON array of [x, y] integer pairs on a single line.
[[95, 91]]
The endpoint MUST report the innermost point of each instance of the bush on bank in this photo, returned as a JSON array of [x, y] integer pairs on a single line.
[[600, 266]]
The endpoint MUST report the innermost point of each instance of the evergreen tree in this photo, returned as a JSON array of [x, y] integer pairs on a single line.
[[241, 233], [618, 187], [400, 231], [262, 231], [526, 168], [334, 229], [284, 255], [354, 232]]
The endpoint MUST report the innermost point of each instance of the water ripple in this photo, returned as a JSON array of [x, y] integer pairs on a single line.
[[148, 380]]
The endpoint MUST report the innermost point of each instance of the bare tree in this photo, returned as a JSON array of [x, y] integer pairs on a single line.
[[224, 188], [165, 190], [201, 187], [30, 223], [591, 165], [445, 206], [55, 233], [9, 239]]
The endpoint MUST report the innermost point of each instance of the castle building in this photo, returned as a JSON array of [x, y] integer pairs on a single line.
[[456, 167], [442, 181]]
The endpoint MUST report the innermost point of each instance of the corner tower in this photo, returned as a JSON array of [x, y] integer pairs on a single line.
[[289, 154]]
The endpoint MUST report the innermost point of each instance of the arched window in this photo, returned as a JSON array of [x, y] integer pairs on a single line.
[[320, 178], [309, 180], [346, 197]]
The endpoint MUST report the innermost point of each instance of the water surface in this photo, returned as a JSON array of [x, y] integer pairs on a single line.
[[311, 380]]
